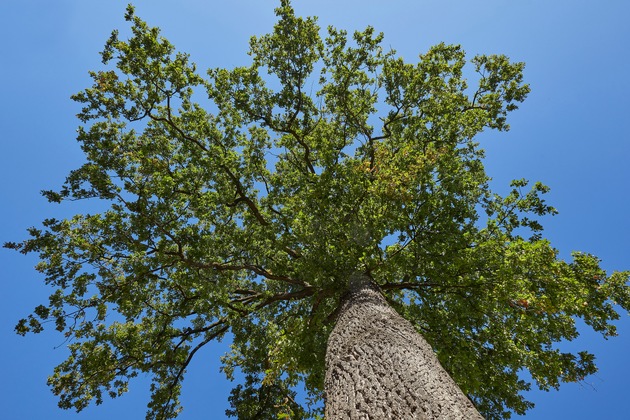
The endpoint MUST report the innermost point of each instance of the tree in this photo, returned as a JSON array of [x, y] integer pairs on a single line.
[[326, 160]]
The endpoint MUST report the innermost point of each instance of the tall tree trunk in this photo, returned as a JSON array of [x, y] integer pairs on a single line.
[[379, 367]]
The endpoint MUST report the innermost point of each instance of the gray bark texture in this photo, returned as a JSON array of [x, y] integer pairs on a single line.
[[379, 367]]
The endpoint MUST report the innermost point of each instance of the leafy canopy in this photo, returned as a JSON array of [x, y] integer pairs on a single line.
[[324, 157]]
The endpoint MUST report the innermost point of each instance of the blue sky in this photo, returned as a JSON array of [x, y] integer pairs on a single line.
[[571, 133]]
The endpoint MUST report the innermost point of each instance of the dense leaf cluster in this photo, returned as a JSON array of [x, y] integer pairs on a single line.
[[326, 156]]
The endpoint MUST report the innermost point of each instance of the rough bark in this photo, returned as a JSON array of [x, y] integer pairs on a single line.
[[379, 367]]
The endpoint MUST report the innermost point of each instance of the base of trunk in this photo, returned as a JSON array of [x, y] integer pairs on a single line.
[[379, 367]]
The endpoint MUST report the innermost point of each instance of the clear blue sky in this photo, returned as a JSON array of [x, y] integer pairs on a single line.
[[572, 133]]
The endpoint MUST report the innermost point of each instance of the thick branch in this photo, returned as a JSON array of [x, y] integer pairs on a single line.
[[183, 367], [240, 190]]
